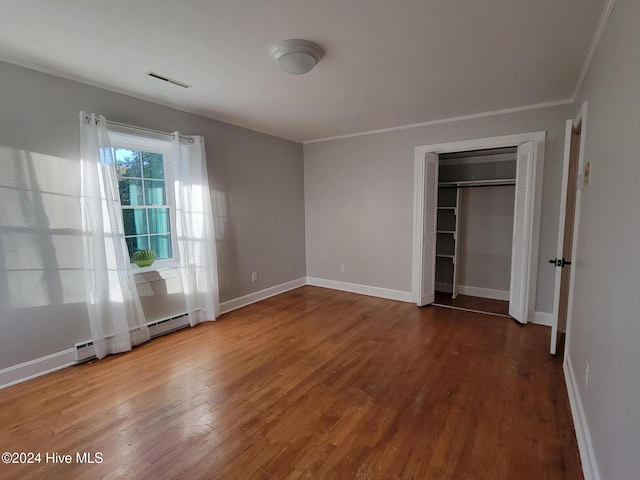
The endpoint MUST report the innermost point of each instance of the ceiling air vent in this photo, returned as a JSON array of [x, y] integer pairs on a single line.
[[167, 79]]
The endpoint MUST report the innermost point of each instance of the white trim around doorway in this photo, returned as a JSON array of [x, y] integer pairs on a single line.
[[480, 144], [581, 121]]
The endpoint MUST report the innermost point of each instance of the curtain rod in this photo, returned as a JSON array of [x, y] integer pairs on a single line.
[[148, 132]]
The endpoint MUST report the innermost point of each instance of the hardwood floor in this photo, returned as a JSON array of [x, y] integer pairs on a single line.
[[489, 305], [313, 383]]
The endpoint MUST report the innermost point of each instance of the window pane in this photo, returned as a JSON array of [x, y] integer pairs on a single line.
[[137, 243], [135, 221], [128, 162], [130, 192], [159, 220], [154, 192], [153, 165], [161, 244]]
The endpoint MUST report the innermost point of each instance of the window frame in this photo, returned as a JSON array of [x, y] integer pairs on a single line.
[[162, 147]]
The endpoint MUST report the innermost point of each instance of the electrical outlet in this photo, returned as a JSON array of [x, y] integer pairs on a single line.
[[254, 276], [586, 374], [342, 268]]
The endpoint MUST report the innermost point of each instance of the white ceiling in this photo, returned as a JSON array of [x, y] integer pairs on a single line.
[[387, 62]]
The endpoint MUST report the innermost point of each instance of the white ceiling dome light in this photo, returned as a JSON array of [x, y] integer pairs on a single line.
[[296, 56]]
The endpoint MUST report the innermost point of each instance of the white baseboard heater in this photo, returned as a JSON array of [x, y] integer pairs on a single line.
[[157, 328]]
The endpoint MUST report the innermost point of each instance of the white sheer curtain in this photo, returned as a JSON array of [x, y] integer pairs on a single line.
[[115, 314], [194, 228]]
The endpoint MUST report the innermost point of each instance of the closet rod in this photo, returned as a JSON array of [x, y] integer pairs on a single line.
[[479, 185]]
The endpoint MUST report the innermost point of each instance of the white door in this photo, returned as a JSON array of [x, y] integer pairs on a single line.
[[565, 233], [521, 245], [561, 224], [428, 280]]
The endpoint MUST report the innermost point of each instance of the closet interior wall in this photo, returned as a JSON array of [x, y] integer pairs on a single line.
[[476, 196]]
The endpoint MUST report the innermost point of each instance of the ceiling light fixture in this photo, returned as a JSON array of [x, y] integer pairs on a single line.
[[296, 56]]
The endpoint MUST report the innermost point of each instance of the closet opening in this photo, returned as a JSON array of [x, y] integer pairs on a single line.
[[470, 170], [474, 229]]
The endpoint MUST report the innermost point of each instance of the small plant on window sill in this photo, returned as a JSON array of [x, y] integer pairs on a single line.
[[143, 258]]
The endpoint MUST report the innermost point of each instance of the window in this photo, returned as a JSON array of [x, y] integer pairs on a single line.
[[145, 194]]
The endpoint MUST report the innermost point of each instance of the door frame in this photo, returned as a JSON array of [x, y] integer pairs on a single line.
[[569, 161], [579, 121], [535, 182]]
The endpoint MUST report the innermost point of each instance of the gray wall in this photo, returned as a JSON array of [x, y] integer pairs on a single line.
[[486, 233], [256, 181], [359, 198], [605, 327]]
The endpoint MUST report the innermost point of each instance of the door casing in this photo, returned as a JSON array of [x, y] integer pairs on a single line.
[[535, 182], [581, 121]]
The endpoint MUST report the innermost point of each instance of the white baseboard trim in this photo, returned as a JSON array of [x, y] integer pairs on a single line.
[[484, 292], [37, 367], [361, 289], [585, 446], [230, 305], [542, 318], [56, 361]]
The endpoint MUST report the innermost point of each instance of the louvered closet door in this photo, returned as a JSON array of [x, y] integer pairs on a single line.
[[521, 234], [427, 291]]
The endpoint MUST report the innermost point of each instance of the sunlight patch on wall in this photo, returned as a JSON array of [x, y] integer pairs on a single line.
[[40, 230], [219, 210]]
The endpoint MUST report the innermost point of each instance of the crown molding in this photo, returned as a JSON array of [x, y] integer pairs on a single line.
[[595, 42], [129, 93], [446, 120], [600, 29]]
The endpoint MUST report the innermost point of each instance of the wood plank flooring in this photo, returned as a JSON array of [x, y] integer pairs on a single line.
[[313, 383]]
